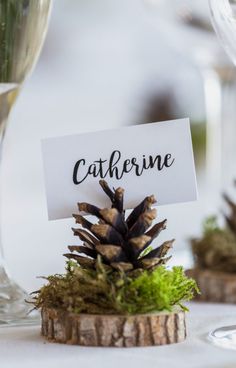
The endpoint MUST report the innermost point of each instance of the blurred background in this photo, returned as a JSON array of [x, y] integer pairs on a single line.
[[106, 64]]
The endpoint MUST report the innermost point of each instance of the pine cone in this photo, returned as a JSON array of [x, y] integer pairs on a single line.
[[120, 242], [231, 218]]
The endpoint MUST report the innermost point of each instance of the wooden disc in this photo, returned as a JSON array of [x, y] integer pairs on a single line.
[[218, 287], [113, 330]]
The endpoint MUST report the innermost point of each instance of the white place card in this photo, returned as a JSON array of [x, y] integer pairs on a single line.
[[144, 159]]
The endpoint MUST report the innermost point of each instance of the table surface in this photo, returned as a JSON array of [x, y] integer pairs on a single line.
[[24, 347]]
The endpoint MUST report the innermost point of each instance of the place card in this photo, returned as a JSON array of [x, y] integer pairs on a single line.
[[144, 159]]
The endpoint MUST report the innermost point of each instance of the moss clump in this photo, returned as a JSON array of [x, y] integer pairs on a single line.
[[101, 291], [216, 250]]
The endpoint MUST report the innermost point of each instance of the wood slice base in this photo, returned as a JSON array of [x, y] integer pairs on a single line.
[[113, 330], [216, 287]]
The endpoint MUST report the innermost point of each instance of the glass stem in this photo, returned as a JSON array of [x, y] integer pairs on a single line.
[[4, 113], [12, 297], [213, 101], [217, 83], [228, 129]]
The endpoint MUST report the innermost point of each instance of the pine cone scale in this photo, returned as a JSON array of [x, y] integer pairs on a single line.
[[111, 252], [140, 243], [142, 224], [156, 229], [86, 237], [107, 234], [114, 218], [137, 211]]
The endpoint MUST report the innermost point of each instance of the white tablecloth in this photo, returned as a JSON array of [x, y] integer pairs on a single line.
[[24, 347]]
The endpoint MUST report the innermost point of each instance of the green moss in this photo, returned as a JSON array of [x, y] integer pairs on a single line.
[[211, 225], [101, 291], [158, 290], [216, 250]]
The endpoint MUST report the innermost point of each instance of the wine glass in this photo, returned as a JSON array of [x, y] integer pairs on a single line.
[[23, 27], [223, 15], [186, 26]]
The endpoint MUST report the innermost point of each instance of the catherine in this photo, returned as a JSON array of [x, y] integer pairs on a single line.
[[116, 166]]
